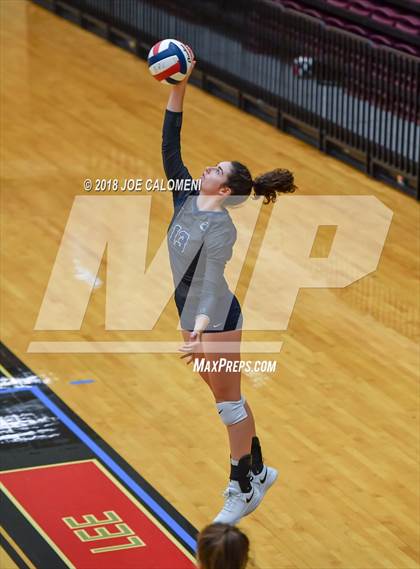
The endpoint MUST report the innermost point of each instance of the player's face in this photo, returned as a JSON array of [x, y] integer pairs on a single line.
[[214, 179]]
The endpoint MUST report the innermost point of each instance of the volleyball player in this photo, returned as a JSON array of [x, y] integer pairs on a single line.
[[200, 240]]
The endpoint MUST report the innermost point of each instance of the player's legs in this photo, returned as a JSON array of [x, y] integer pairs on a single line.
[[249, 477], [226, 386]]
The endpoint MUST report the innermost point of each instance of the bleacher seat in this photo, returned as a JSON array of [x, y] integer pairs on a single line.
[[361, 7], [407, 28], [356, 30], [339, 3], [407, 48], [395, 20], [379, 39]]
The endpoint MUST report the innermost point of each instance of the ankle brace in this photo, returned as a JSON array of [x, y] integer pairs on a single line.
[[241, 473]]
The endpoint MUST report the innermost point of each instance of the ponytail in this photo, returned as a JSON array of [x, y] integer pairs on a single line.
[[279, 181], [267, 185]]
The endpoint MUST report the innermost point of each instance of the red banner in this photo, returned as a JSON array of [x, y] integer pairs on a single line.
[[91, 520]]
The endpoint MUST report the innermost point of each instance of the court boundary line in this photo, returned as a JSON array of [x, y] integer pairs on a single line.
[[15, 552], [156, 508], [37, 527]]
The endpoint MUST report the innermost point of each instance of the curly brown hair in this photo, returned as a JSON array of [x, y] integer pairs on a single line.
[[279, 181], [268, 185]]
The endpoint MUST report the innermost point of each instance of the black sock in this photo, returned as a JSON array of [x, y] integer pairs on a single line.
[[257, 460], [240, 473]]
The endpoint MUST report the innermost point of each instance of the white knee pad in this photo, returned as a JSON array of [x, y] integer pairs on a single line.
[[232, 412]]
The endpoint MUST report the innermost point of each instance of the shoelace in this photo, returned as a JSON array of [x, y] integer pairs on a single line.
[[230, 495]]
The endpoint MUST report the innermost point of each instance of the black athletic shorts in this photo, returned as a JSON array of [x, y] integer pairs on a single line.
[[220, 323]]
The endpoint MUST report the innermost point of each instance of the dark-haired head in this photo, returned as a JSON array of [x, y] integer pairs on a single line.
[[234, 183], [222, 546]]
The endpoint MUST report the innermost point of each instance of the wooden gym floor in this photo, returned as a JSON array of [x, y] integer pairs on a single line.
[[339, 415]]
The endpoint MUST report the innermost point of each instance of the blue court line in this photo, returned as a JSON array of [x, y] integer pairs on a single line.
[[112, 465], [80, 381], [13, 389]]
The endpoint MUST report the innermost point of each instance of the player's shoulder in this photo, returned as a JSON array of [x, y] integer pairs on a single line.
[[222, 227], [222, 219]]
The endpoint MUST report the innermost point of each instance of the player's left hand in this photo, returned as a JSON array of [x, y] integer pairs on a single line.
[[194, 346]]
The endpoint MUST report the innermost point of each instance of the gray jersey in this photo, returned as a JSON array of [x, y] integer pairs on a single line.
[[199, 242]]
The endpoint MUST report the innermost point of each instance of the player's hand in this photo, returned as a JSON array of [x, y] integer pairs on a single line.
[[184, 82], [191, 69], [181, 86], [192, 60], [192, 347]]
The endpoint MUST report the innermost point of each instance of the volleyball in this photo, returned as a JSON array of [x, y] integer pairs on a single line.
[[169, 61]]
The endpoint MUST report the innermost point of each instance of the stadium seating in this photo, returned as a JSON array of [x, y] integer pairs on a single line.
[[387, 24]]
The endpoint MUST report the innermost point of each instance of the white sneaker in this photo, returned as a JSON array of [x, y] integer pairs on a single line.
[[265, 479], [238, 504]]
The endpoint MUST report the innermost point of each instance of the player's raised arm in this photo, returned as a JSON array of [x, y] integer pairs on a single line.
[[174, 167], [176, 97]]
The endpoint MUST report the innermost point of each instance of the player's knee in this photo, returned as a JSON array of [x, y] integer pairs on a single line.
[[232, 412]]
